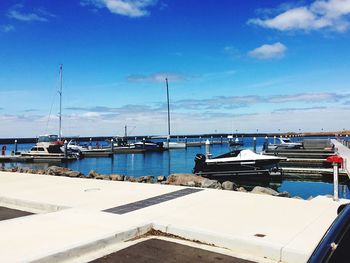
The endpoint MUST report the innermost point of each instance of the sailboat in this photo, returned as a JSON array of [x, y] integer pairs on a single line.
[[168, 144], [49, 147]]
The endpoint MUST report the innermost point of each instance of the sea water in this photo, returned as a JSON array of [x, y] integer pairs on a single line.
[[178, 161]]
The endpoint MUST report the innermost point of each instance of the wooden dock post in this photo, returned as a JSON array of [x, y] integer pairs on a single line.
[[112, 146]]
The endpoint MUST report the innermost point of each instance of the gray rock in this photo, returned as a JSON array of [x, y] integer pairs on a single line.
[[283, 194], [207, 183], [144, 179], [131, 179], [242, 189], [93, 174], [117, 177], [183, 179], [228, 185], [40, 171], [161, 178], [191, 184], [264, 190], [73, 174], [103, 177], [310, 198]]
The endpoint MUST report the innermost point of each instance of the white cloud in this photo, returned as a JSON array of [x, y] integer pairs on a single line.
[[157, 77], [7, 28], [131, 8], [331, 14], [307, 97], [38, 15], [267, 51]]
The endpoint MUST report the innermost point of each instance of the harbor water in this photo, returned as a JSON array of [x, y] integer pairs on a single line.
[[178, 161]]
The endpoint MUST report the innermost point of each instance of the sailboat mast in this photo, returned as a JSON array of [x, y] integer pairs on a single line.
[[60, 113], [167, 94]]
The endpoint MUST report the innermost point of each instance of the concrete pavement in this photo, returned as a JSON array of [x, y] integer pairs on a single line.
[[70, 224]]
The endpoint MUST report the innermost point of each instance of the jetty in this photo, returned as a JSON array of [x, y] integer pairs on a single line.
[[80, 220], [344, 152]]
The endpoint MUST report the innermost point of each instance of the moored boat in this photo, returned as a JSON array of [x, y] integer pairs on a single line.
[[236, 162]]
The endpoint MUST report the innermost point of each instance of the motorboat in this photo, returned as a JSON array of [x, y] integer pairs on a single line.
[[149, 146], [74, 146], [234, 143], [174, 145], [48, 147], [285, 143], [235, 162]]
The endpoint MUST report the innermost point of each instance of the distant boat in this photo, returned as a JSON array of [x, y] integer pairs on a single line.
[[48, 148], [285, 143], [235, 162], [168, 144], [149, 146], [234, 143]]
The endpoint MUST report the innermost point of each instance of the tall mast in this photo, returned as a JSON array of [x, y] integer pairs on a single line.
[[60, 113], [126, 132], [167, 94]]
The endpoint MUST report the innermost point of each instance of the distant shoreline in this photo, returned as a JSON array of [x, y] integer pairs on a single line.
[[191, 136]]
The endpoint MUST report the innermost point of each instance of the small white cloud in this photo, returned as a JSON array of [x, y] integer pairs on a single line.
[[39, 15], [331, 14], [7, 28], [267, 51], [157, 77], [130, 8]]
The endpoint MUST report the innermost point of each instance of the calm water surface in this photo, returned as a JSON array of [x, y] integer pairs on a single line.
[[179, 161]]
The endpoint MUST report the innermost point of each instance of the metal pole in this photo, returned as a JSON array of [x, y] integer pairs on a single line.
[[65, 148], [167, 95], [90, 145], [254, 144], [60, 114], [335, 175], [207, 149], [274, 139], [112, 146], [15, 147]]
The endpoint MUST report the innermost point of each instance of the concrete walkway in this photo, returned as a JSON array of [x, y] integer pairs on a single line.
[[71, 224], [344, 152]]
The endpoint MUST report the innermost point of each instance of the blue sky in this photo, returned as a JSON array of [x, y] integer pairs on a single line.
[[232, 65]]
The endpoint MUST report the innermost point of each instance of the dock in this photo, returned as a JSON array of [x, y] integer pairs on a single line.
[[79, 220], [344, 152], [32, 159]]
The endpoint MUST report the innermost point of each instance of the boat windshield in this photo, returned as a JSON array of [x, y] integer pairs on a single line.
[[285, 140], [48, 138]]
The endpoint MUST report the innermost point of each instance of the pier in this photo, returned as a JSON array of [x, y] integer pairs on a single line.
[[79, 220], [344, 152]]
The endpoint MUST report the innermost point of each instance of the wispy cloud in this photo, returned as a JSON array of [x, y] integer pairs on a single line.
[[130, 8], [222, 102], [268, 51], [156, 77], [129, 108], [7, 28], [321, 14], [300, 109], [307, 97], [38, 15]]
